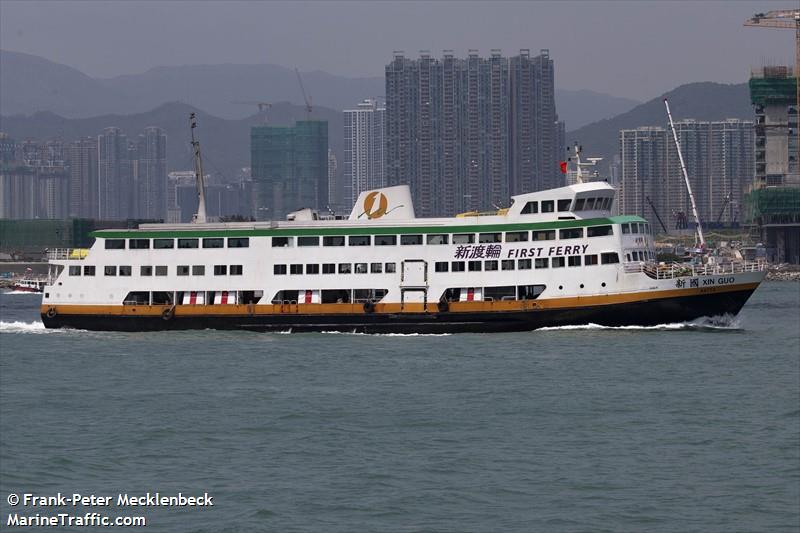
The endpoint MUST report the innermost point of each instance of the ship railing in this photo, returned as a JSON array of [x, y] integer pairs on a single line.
[[66, 254], [679, 270]]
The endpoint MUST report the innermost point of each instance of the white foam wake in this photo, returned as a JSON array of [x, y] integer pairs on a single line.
[[719, 323], [18, 326], [23, 292]]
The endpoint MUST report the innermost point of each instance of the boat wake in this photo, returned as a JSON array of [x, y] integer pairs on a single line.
[[18, 326], [717, 323], [23, 292], [385, 334]]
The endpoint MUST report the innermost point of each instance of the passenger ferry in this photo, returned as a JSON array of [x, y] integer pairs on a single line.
[[553, 258]]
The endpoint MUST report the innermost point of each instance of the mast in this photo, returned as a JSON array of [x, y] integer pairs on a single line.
[[686, 179], [200, 216], [579, 174]]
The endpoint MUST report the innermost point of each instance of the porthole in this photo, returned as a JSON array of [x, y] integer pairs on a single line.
[[560, 287], [581, 285], [603, 284]]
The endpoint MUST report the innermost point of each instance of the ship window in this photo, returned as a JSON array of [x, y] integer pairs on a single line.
[[441, 266], [541, 262], [524, 264], [457, 266], [281, 242], [548, 206], [238, 242], [138, 244], [359, 240], [213, 243], [308, 241], [507, 264], [609, 258], [574, 261], [438, 239], [589, 204], [376, 268], [188, 243], [463, 238], [279, 270], [295, 269], [546, 235], [600, 231], [163, 244], [529, 292], [162, 298], [626, 229], [628, 257], [530, 208], [115, 244], [406, 240], [570, 233], [161, 270], [385, 240], [88, 270], [312, 269], [337, 240], [335, 296], [558, 262], [198, 270], [145, 270], [490, 265], [499, 293], [489, 237], [474, 266], [390, 268], [110, 270], [563, 205], [235, 270], [360, 268], [137, 298], [517, 236], [590, 260], [75, 270], [220, 270], [344, 268], [579, 203], [329, 268]]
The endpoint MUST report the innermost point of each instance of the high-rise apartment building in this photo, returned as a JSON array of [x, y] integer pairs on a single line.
[[335, 199], [364, 148], [289, 166], [83, 188], [114, 179], [150, 175], [719, 162], [465, 134]]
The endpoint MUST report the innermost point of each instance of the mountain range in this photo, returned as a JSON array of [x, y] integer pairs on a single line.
[[29, 84]]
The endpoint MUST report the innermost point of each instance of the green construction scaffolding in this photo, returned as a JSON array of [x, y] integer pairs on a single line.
[[773, 90], [774, 205]]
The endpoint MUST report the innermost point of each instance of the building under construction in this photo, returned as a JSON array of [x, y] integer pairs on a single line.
[[774, 201]]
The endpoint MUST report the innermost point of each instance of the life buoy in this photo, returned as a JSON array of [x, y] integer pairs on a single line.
[[369, 307], [168, 313], [51, 312], [443, 306]]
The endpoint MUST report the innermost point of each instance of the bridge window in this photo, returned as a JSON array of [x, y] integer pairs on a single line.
[[385, 240], [282, 242], [308, 241], [88, 270], [145, 270], [337, 240], [329, 268], [312, 269], [74, 270], [590, 204], [198, 270], [410, 240], [238, 242], [438, 239], [110, 270], [188, 243], [558, 262], [161, 270], [115, 244], [541, 262], [516, 236], [163, 244], [359, 240], [531, 208], [463, 238], [548, 206], [295, 269], [139, 244], [220, 270], [600, 231], [579, 203], [546, 235], [279, 270], [609, 258], [563, 205]]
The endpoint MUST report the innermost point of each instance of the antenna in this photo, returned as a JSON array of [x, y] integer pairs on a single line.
[[686, 179], [200, 216], [306, 98]]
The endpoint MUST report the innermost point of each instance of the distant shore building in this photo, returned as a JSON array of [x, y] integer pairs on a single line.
[[289, 166], [465, 134], [719, 162], [150, 175], [364, 148]]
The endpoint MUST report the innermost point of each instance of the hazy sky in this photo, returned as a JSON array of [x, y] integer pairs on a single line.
[[636, 49]]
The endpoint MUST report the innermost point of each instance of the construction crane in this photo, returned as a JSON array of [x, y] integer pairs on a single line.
[[785, 19], [655, 212], [262, 107], [724, 205], [306, 98]]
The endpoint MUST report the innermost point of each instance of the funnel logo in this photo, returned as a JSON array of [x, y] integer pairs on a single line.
[[375, 205]]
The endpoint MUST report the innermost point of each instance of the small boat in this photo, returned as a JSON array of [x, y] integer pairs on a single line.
[[29, 285]]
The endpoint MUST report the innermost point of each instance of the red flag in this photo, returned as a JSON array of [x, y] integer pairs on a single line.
[[563, 167]]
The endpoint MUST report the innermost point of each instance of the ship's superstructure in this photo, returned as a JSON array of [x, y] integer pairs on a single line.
[[553, 257]]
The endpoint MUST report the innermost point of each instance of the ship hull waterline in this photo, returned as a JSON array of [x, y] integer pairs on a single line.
[[644, 312]]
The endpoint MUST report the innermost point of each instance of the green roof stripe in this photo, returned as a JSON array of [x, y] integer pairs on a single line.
[[394, 230]]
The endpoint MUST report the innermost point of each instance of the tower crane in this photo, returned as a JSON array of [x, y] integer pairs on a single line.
[[306, 98], [786, 19], [262, 107]]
